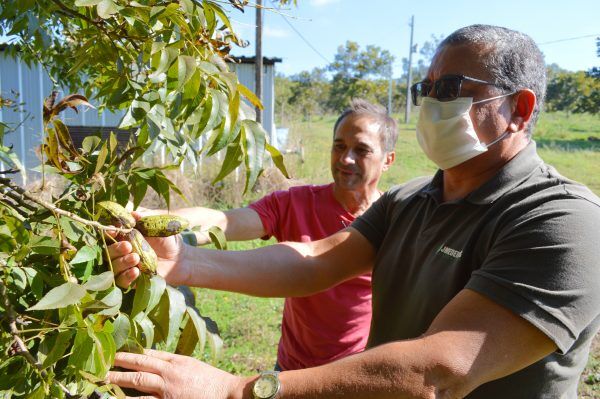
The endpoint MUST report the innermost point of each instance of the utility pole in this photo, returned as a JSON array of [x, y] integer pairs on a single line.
[[409, 77], [258, 59]]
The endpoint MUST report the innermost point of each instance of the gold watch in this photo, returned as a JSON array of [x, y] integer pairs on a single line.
[[267, 386]]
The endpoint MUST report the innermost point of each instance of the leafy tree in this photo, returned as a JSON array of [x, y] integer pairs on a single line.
[[352, 67], [62, 316], [309, 91], [576, 92]]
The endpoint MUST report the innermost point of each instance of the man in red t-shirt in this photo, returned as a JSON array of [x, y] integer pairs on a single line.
[[335, 323]]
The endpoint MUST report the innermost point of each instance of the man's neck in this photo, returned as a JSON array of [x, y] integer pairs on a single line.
[[356, 202], [460, 181]]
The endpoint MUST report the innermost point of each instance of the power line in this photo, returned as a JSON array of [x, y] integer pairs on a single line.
[[302, 37], [568, 39]]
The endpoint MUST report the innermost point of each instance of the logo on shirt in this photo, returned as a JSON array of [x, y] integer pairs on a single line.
[[446, 250]]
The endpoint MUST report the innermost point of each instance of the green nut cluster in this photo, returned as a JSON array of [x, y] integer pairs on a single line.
[[161, 225], [148, 258], [111, 213]]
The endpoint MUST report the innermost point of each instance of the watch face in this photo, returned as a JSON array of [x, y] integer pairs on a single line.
[[265, 387]]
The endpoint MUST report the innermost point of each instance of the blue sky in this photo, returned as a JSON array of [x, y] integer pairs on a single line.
[[326, 24]]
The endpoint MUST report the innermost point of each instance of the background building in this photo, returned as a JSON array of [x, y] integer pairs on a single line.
[[30, 85]]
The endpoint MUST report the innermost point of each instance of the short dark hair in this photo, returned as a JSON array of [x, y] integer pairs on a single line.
[[512, 58], [388, 129]]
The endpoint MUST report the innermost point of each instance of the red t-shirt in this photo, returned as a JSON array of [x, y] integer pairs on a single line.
[[332, 324]]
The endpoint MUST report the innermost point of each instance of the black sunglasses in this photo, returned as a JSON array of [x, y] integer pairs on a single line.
[[446, 88]]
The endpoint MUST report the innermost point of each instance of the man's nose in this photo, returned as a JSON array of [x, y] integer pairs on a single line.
[[348, 157]]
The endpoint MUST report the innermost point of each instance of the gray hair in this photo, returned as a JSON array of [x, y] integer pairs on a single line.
[[388, 129], [512, 58]]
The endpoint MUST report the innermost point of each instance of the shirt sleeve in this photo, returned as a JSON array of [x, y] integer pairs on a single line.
[[269, 209], [373, 223], [543, 266]]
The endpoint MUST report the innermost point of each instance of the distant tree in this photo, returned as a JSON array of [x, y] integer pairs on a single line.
[[354, 71], [283, 93], [309, 92], [575, 92]]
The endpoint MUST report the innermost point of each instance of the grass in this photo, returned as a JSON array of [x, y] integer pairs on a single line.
[[250, 326]]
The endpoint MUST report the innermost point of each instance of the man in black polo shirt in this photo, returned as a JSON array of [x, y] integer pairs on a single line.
[[485, 277]]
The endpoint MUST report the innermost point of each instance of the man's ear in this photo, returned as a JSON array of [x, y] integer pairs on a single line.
[[390, 157], [524, 105]]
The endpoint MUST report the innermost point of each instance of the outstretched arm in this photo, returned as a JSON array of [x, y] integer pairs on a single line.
[[281, 270], [472, 341], [238, 224]]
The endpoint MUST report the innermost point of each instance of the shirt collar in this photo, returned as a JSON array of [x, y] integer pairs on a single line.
[[511, 175]]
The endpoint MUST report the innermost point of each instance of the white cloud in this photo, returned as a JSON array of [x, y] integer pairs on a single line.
[[323, 3], [275, 32]]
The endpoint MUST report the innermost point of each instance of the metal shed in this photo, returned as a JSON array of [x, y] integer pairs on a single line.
[[29, 85]]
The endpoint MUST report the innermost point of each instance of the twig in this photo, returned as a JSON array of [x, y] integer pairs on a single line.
[[19, 346], [59, 211], [15, 197]]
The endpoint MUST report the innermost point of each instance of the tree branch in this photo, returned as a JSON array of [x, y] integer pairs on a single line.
[[18, 345], [24, 194]]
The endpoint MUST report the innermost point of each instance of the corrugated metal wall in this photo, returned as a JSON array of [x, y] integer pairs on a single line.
[[29, 86]]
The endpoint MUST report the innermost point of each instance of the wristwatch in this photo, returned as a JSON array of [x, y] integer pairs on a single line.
[[267, 386]]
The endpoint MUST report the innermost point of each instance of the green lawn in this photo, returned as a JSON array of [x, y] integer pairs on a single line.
[[250, 326]]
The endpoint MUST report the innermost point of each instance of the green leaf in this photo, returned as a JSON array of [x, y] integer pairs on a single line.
[[121, 330], [233, 158], [277, 159], [113, 301], [186, 67], [217, 237], [60, 297], [193, 333], [102, 155], [106, 8], [85, 254], [142, 294], [45, 245], [82, 351], [157, 288], [176, 311], [167, 56], [59, 347], [254, 142], [86, 3], [104, 349], [139, 192], [215, 343], [100, 282], [90, 143], [147, 333]]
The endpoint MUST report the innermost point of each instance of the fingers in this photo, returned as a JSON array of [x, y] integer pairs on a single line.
[[126, 278], [137, 215], [140, 362], [140, 380], [166, 356]]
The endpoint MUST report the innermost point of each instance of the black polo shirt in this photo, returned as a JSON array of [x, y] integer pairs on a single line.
[[529, 239]]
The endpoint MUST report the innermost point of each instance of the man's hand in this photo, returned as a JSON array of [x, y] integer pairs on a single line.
[[164, 375], [170, 259]]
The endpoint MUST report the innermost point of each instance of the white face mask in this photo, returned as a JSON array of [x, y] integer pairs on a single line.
[[445, 131]]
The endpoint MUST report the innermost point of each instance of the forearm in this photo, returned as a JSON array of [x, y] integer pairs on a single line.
[[281, 270], [403, 369], [237, 224]]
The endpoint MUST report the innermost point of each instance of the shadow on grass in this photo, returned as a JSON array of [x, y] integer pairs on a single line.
[[590, 144]]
